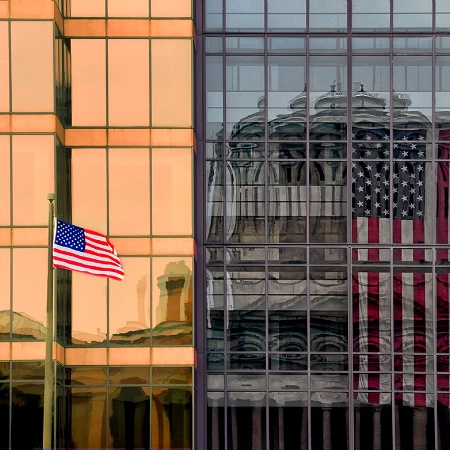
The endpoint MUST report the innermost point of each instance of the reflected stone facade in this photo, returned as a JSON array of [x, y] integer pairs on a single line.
[[326, 241]]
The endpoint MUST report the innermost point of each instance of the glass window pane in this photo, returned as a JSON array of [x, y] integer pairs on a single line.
[[213, 15], [89, 188], [214, 97], [4, 414], [214, 215], [171, 418], [88, 82], [129, 414], [128, 82], [412, 15], [87, 8], [373, 420], [174, 8], [245, 97], [286, 15], [32, 66], [5, 294], [442, 15], [129, 305], [172, 191], [88, 294], [4, 67], [27, 407], [442, 101], [369, 19], [172, 301], [29, 317], [33, 178], [5, 181], [244, 15], [215, 309], [136, 8], [171, 375], [328, 15], [129, 191], [88, 419], [246, 205], [171, 83]]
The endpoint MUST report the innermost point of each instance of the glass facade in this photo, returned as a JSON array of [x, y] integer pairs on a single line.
[[325, 232], [96, 106]]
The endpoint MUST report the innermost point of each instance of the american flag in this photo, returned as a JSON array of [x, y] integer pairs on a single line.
[[82, 250], [389, 201]]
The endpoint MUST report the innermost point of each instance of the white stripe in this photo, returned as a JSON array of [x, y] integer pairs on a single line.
[[363, 235], [363, 305]]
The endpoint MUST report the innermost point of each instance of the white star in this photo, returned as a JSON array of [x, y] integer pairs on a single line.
[[394, 205], [386, 182], [385, 212], [367, 212], [386, 137], [404, 138], [404, 198], [419, 183], [377, 190], [386, 197], [360, 174], [412, 175], [360, 203], [404, 153], [421, 138], [367, 197], [404, 213], [369, 168], [360, 189], [412, 206], [421, 153], [395, 190], [420, 168], [368, 138], [368, 182], [413, 146], [378, 175], [404, 168], [404, 183], [377, 205], [420, 213], [419, 198], [379, 145], [368, 152], [395, 145]]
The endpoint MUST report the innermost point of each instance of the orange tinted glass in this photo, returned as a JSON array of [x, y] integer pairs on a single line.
[[87, 8], [136, 8], [173, 8], [5, 213], [5, 294], [88, 82], [4, 67]]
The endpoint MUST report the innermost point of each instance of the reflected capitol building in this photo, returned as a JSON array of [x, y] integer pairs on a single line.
[[280, 325]]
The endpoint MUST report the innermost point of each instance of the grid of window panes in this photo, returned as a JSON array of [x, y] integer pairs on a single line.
[[326, 225]]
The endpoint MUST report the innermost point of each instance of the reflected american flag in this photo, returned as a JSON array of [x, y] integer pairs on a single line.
[[389, 201]]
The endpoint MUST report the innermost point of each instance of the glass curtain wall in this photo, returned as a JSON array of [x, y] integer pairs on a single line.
[[325, 231]]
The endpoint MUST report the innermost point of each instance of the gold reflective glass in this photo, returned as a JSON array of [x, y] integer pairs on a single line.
[[4, 67], [171, 191], [172, 301], [32, 161], [135, 8], [129, 191], [89, 188], [173, 8], [129, 304], [5, 293], [32, 66], [88, 424], [30, 297], [88, 294], [88, 82], [128, 82], [5, 188], [87, 8], [171, 82]]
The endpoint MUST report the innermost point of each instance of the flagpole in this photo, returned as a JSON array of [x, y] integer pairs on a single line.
[[49, 376]]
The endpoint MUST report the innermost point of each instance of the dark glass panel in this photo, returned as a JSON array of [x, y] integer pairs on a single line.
[[4, 414], [414, 423], [288, 381], [215, 309], [27, 413], [442, 103], [213, 15], [288, 361], [327, 256], [214, 97], [171, 414], [288, 421], [442, 15], [81, 375], [243, 44], [171, 375], [246, 420], [373, 421], [245, 255], [215, 421], [245, 202], [129, 417], [327, 150], [87, 411], [328, 202], [245, 97], [286, 89], [287, 255], [215, 361], [329, 309], [287, 201], [329, 420], [442, 313], [336, 362], [247, 361], [214, 215]]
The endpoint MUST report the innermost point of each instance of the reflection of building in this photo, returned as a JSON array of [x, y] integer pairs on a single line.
[[324, 293]]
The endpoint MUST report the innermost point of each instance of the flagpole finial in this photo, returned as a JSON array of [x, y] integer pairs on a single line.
[[50, 197]]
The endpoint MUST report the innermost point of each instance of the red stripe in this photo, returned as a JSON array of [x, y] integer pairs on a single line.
[[373, 238], [58, 260], [104, 275], [96, 261]]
